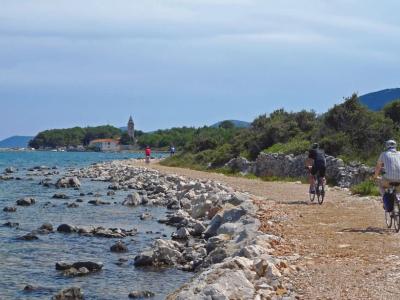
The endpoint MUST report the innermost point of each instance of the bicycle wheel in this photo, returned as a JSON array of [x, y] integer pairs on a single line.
[[321, 193], [396, 215], [388, 219], [312, 195]]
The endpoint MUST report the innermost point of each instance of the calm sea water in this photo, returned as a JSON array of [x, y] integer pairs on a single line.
[[23, 262]]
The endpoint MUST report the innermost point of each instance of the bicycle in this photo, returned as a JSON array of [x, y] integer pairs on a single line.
[[318, 189], [392, 216]]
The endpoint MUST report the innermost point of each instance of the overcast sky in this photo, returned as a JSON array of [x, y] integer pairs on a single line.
[[193, 62]]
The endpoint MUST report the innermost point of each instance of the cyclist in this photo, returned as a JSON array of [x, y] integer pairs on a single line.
[[389, 161], [318, 165]]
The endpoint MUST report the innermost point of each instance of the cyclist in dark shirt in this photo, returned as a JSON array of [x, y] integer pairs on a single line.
[[318, 167]]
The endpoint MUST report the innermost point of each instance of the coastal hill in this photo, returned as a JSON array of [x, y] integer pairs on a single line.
[[237, 123], [16, 142], [377, 100]]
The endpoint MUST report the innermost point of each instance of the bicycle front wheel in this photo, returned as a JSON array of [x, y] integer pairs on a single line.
[[321, 194], [312, 196]]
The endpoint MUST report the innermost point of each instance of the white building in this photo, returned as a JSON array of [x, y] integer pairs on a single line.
[[105, 145]]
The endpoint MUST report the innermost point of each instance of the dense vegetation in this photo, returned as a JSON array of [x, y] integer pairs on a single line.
[[348, 130], [73, 136]]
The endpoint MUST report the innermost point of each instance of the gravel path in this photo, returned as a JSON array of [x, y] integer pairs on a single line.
[[345, 250]]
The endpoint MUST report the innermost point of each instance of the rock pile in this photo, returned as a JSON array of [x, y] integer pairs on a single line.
[[216, 234]]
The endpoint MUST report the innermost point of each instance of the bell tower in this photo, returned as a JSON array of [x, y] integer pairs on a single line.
[[131, 128]]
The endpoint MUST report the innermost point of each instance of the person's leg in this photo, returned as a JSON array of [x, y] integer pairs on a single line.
[[313, 172]]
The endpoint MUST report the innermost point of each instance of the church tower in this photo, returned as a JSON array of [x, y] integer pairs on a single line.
[[131, 128]]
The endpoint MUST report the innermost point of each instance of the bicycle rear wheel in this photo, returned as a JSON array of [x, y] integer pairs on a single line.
[[396, 215]]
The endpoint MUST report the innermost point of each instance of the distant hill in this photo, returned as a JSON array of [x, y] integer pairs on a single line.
[[16, 142], [237, 123], [377, 100]]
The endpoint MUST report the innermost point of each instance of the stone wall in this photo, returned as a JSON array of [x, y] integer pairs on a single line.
[[281, 165]]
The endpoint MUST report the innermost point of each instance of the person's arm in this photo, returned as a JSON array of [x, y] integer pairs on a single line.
[[378, 168]]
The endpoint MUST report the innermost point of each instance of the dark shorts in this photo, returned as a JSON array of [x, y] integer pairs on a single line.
[[318, 169]]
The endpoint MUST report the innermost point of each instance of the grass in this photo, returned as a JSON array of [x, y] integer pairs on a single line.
[[366, 188]]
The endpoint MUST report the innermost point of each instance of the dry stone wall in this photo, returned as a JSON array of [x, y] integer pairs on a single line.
[[281, 165]]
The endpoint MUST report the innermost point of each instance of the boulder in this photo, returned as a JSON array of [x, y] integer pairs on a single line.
[[198, 229], [98, 202], [66, 228], [114, 187], [74, 293], [11, 224], [47, 227], [119, 247], [10, 170], [79, 268], [62, 266], [167, 252], [144, 259], [73, 205], [10, 209], [181, 234], [229, 214], [145, 216], [68, 182], [28, 237], [133, 199], [141, 294], [201, 210], [27, 201], [60, 196]]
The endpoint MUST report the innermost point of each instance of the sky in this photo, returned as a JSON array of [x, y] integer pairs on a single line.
[[194, 62]]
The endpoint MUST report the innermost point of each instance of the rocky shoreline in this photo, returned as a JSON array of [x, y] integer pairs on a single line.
[[217, 234]]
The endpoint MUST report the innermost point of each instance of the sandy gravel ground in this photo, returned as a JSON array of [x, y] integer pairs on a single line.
[[345, 250]]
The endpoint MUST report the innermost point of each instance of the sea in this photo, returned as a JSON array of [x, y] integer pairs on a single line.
[[25, 263]]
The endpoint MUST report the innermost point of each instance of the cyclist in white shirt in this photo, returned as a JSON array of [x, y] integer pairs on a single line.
[[389, 161]]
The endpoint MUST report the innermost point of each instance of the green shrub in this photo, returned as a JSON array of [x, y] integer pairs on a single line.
[[366, 188], [295, 146]]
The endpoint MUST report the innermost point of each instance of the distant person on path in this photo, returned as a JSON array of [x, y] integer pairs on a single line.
[[318, 165], [172, 150], [148, 154], [388, 166]]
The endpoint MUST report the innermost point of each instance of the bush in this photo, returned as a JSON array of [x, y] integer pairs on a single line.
[[366, 188], [392, 111], [295, 147]]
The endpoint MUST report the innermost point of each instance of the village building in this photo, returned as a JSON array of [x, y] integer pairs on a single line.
[[105, 145]]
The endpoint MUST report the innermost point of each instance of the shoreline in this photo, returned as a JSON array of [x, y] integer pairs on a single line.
[[231, 250], [216, 236]]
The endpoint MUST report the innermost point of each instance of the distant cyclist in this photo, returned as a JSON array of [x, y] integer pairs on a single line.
[[172, 150], [316, 164], [389, 162]]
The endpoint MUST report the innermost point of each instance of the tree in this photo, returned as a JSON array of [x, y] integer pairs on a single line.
[[227, 124], [392, 111], [126, 139]]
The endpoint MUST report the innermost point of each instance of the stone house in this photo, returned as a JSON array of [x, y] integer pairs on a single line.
[[105, 145]]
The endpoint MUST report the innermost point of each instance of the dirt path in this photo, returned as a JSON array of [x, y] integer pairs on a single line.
[[345, 250]]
